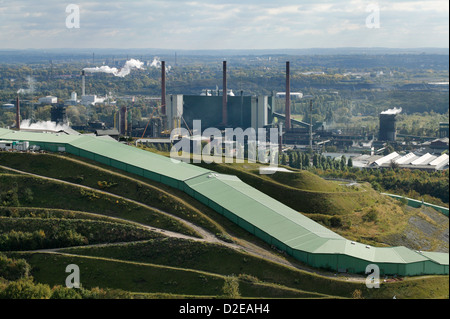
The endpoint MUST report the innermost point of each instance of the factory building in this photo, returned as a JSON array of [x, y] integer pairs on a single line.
[[91, 100], [48, 100], [296, 95], [443, 130], [425, 162], [242, 111]]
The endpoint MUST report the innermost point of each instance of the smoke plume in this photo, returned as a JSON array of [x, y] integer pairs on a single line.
[[124, 71], [392, 111], [31, 86], [156, 63], [41, 125]]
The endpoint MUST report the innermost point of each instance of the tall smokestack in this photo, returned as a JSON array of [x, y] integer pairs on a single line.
[[17, 113], [163, 87], [288, 97], [83, 83], [224, 95]]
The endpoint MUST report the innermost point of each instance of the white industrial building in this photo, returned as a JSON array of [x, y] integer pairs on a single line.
[[48, 100], [427, 162], [297, 95], [91, 100]]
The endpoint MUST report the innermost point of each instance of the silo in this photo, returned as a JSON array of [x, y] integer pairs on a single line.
[[388, 125]]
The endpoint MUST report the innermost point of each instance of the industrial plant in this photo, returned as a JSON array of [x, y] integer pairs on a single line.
[[222, 108]]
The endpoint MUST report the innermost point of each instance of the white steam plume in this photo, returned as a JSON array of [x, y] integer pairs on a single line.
[[41, 125], [392, 111], [124, 71], [156, 63], [31, 86]]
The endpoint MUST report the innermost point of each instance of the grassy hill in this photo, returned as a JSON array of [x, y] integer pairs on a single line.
[[112, 217], [355, 211]]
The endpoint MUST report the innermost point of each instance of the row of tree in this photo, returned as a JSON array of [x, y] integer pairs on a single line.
[[302, 160]]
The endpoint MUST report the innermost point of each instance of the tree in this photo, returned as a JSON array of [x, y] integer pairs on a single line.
[[350, 162], [342, 163], [306, 161]]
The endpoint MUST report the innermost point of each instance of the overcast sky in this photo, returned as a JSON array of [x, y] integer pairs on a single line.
[[231, 24]]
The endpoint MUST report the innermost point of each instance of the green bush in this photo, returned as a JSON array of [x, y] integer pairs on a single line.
[[59, 292], [371, 216], [25, 289], [13, 269], [231, 288], [335, 221]]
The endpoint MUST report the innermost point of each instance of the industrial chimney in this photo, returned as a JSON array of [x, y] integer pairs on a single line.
[[83, 83], [18, 113], [123, 114], [224, 95], [163, 87], [288, 97]]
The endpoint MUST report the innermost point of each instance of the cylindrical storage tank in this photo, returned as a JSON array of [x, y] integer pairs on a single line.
[[388, 127]]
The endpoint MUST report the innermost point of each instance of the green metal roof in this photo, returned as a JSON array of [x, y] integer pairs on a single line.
[[440, 258], [257, 208], [113, 150]]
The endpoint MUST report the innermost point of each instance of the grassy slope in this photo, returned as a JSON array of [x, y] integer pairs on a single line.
[[147, 192], [309, 200], [146, 278], [408, 288], [128, 185], [52, 194]]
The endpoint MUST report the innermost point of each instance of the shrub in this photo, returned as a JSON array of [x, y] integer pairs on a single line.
[[13, 269], [371, 216], [231, 288], [59, 292], [335, 221], [26, 289]]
